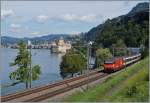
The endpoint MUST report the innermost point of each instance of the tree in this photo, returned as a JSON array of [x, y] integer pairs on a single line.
[[102, 55], [144, 51], [119, 48], [22, 61], [72, 62]]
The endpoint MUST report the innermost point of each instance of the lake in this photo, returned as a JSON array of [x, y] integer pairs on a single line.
[[48, 61]]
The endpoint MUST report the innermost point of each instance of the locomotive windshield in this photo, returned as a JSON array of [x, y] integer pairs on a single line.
[[109, 61]]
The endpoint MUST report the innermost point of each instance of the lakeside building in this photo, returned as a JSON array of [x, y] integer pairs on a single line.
[[60, 46]]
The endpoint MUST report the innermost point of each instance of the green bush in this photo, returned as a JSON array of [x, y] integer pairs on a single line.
[[101, 56], [131, 90], [72, 63]]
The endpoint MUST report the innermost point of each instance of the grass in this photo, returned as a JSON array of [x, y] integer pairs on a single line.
[[128, 85], [133, 89]]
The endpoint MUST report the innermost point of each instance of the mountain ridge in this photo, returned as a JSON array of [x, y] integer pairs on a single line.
[[5, 40], [118, 26]]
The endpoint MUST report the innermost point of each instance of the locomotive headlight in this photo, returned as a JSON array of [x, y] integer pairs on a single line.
[[124, 63]]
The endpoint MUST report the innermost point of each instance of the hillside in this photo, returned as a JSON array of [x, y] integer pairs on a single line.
[[132, 28], [129, 85], [11, 40]]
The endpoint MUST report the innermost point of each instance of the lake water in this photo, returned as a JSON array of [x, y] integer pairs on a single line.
[[49, 66]]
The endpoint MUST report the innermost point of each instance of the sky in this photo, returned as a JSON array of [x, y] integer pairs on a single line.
[[38, 18]]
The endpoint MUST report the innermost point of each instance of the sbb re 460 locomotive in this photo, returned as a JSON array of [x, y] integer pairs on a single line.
[[117, 63]]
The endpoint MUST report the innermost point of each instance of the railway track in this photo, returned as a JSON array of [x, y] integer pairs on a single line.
[[70, 87], [38, 89], [62, 90]]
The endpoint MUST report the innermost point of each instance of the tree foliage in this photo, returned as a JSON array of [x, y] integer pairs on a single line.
[[72, 62], [22, 61], [132, 33], [102, 55], [144, 51], [119, 48]]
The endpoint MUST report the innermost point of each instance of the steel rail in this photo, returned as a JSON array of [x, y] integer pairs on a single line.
[[38, 89], [65, 89]]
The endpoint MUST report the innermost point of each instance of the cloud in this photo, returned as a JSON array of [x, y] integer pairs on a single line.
[[15, 25], [75, 33], [35, 33], [15, 28], [69, 17], [42, 18], [82, 18], [126, 3], [88, 18], [6, 13]]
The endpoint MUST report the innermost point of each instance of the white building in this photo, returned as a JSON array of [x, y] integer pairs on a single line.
[[60, 46]]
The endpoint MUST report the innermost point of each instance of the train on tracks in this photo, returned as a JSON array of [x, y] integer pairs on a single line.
[[118, 63]]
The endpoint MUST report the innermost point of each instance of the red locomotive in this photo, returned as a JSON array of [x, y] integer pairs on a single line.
[[118, 63]]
